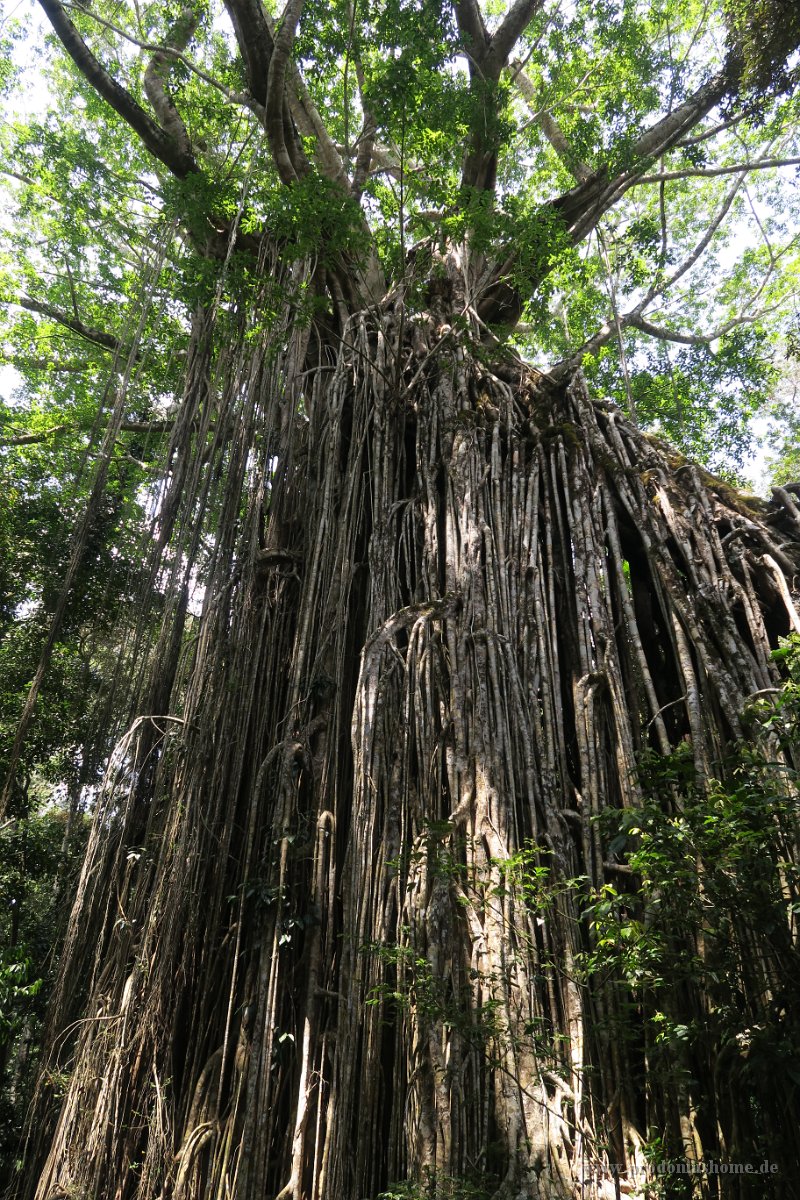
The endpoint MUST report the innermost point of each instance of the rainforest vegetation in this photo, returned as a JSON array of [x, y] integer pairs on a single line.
[[399, 676]]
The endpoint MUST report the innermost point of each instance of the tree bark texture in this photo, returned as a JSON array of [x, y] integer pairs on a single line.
[[448, 607]]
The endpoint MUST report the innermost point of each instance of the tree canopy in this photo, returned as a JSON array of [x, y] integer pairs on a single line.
[[617, 169]]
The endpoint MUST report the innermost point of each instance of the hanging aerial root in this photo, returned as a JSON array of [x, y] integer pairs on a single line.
[[333, 932]]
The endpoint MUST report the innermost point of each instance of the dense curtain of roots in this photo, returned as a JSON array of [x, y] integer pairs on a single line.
[[445, 610]]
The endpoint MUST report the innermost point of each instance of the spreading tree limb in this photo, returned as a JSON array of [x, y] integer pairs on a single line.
[[275, 109], [157, 74], [98, 337], [580, 209], [511, 28], [35, 439], [254, 40], [548, 124], [156, 139]]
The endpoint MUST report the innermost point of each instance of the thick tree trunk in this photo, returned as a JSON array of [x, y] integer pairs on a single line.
[[328, 933]]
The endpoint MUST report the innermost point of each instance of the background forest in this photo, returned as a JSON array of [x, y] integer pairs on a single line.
[[399, 671]]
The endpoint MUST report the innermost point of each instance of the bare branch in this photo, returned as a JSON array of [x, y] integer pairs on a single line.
[[662, 216], [256, 36], [35, 439], [662, 136], [32, 439], [275, 104], [762, 164], [243, 99], [255, 43], [703, 244], [548, 124], [97, 337], [385, 160], [157, 140], [720, 127], [366, 146], [277, 84], [773, 257], [635, 317], [581, 207], [664, 334], [71, 281], [634, 320], [471, 27], [555, 136], [513, 25], [612, 295], [487, 58], [52, 366], [287, 93], [310, 124], [369, 128], [148, 427]]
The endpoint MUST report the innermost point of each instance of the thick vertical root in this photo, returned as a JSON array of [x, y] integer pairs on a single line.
[[338, 939]]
